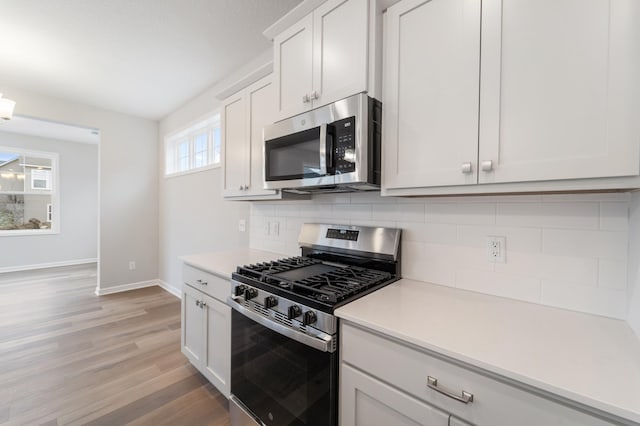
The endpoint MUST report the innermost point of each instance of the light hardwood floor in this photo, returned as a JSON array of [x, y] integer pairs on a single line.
[[68, 357]]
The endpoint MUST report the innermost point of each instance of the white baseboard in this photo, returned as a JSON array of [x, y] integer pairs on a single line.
[[47, 265], [125, 287], [171, 289]]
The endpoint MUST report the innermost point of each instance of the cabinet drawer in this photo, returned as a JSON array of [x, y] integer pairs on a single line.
[[494, 403], [216, 287]]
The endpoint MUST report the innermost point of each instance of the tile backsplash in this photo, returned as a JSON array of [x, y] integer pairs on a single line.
[[568, 251]]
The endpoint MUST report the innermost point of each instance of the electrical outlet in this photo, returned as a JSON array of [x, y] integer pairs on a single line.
[[242, 225], [267, 228], [496, 249], [132, 265], [275, 228]]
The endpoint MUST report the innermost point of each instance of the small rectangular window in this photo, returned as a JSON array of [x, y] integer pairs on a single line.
[[28, 191], [194, 148]]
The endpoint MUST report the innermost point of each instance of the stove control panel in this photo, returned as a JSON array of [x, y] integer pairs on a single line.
[[342, 234], [281, 309]]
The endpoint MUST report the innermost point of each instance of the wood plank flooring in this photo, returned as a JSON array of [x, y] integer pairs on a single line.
[[68, 357]]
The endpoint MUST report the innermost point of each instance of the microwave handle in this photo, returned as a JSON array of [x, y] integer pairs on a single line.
[[330, 150], [323, 149]]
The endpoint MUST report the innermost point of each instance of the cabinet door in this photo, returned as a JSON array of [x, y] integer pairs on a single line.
[[216, 362], [292, 66], [559, 95], [192, 332], [235, 142], [261, 102], [365, 401], [340, 50], [430, 93]]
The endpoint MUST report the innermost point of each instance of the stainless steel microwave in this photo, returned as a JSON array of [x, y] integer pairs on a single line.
[[332, 148]]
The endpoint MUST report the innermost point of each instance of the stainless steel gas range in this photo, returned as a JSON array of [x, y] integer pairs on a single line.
[[284, 357]]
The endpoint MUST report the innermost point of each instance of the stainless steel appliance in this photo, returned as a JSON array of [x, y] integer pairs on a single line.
[[332, 148], [284, 356]]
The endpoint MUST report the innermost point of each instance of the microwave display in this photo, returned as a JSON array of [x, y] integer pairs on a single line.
[[345, 144]]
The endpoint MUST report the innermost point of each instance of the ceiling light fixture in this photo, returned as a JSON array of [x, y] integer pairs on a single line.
[[6, 108]]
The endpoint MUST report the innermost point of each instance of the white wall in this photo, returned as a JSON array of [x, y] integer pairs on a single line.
[[634, 263], [78, 237], [193, 216], [128, 170], [568, 251]]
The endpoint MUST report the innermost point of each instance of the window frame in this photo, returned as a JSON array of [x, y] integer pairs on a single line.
[[174, 140], [54, 191]]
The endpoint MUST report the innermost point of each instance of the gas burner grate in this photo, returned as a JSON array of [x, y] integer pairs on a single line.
[[336, 285], [342, 283]]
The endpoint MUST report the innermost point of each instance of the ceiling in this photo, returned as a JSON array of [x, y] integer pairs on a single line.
[[139, 57]]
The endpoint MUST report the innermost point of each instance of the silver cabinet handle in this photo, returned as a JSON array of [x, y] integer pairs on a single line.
[[202, 305], [197, 303], [487, 166], [241, 188], [467, 168], [204, 283], [246, 187], [314, 95], [306, 99], [466, 397]]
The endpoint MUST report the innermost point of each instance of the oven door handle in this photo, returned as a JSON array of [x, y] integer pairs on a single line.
[[325, 343]]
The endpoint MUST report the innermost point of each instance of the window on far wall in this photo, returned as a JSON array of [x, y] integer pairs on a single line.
[[28, 191], [197, 147]]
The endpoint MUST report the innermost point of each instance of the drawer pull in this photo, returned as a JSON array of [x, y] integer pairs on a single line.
[[466, 397]]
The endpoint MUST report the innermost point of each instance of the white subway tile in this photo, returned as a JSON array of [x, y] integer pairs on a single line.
[[352, 211], [597, 197], [612, 274], [582, 271], [316, 210], [519, 264], [614, 216], [570, 215], [519, 214], [370, 197], [332, 198], [473, 258], [517, 239], [579, 243], [428, 263], [595, 300], [435, 233], [287, 210], [511, 286], [468, 213], [395, 212]]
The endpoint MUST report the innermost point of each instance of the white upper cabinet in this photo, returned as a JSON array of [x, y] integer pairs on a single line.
[[430, 93], [293, 68], [322, 58], [559, 83], [524, 95], [244, 115]]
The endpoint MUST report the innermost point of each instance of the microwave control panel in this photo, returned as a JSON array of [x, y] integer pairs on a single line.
[[345, 145]]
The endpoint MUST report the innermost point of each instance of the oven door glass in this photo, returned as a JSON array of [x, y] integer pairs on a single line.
[[283, 382]]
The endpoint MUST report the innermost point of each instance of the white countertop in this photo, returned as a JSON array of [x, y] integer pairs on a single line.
[[223, 263], [587, 358]]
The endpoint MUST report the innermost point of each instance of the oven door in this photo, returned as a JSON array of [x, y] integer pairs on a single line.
[[279, 380], [299, 159]]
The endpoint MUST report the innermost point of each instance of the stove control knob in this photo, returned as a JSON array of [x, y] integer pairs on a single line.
[[270, 302], [309, 318], [294, 311], [250, 293], [239, 290]]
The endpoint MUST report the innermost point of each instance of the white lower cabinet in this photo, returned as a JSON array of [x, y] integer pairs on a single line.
[[385, 382], [206, 333], [366, 401]]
